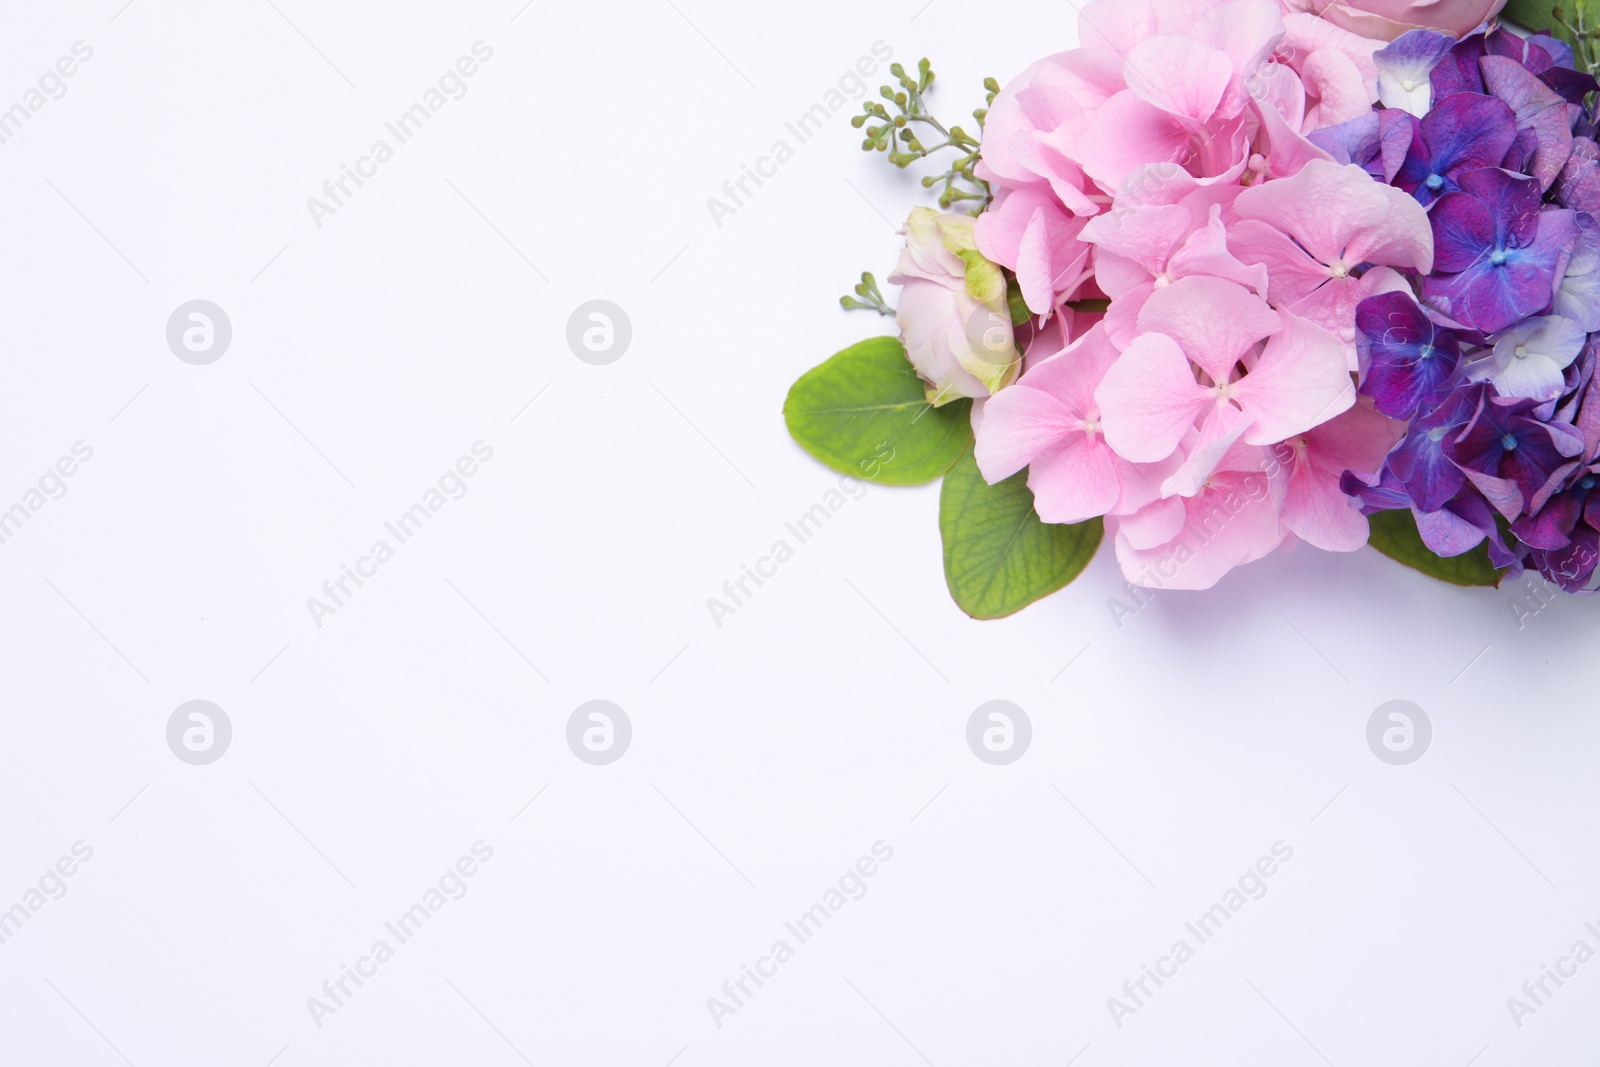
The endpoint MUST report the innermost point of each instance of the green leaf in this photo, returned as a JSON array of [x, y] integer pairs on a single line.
[[998, 556], [1536, 15], [1019, 307], [1540, 16], [1394, 533], [865, 413]]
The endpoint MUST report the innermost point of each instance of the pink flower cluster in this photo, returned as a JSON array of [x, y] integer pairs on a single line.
[[1165, 167]]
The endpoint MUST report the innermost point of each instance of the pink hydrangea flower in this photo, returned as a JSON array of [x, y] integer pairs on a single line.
[[1050, 423], [1144, 248], [1166, 164], [1314, 508], [1029, 231], [1212, 357], [1191, 542], [1325, 236]]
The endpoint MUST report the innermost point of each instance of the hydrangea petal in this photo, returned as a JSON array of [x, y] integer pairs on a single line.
[[1149, 399]]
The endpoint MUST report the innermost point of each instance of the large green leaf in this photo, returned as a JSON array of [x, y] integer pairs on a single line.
[[864, 412], [1394, 533], [998, 556]]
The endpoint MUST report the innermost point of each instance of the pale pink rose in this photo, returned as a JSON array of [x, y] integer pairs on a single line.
[[1384, 20], [952, 311]]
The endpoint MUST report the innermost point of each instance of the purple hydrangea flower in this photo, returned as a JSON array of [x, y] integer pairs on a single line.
[[1507, 447], [1463, 133], [1495, 369], [1496, 253], [1421, 462], [1408, 359], [1405, 67], [1377, 142]]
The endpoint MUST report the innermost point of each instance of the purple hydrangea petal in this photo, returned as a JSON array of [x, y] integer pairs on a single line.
[[1473, 508], [1376, 142], [1490, 296], [1541, 459], [1463, 232], [1513, 202], [1537, 107], [1408, 358], [1571, 567], [1386, 494], [1499, 43], [1447, 533], [1551, 527], [1513, 275], [1519, 157], [1405, 67], [1420, 462], [1457, 72], [1505, 444], [1591, 507], [1502, 493], [1578, 187], [1571, 85], [1578, 293], [1468, 132], [1559, 51]]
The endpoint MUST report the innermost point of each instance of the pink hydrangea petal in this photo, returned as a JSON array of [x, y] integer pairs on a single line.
[[1128, 132], [1009, 128], [1288, 151], [1141, 482], [1116, 25], [1077, 482], [1027, 230], [1292, 275], [1342, 92], [1300, 381], [1179, 75], [1206, 252], [1221, 427], [1036, 269], [1403, 239], [1320, 206], [1213, 321], [1246, 30], [1067, 179], [1356, 440], [1232, 522], [1149, 399], [1152, 525], [1122, 317], [1019, 424], [1305, 34], [1276, 85], [1318, 512], [1332, 305], [1145, 235], [1074, 374]]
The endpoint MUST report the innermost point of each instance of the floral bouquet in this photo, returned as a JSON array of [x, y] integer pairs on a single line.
[[1238, 274]]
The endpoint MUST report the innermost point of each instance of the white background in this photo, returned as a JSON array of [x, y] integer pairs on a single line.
[[768, 754]]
